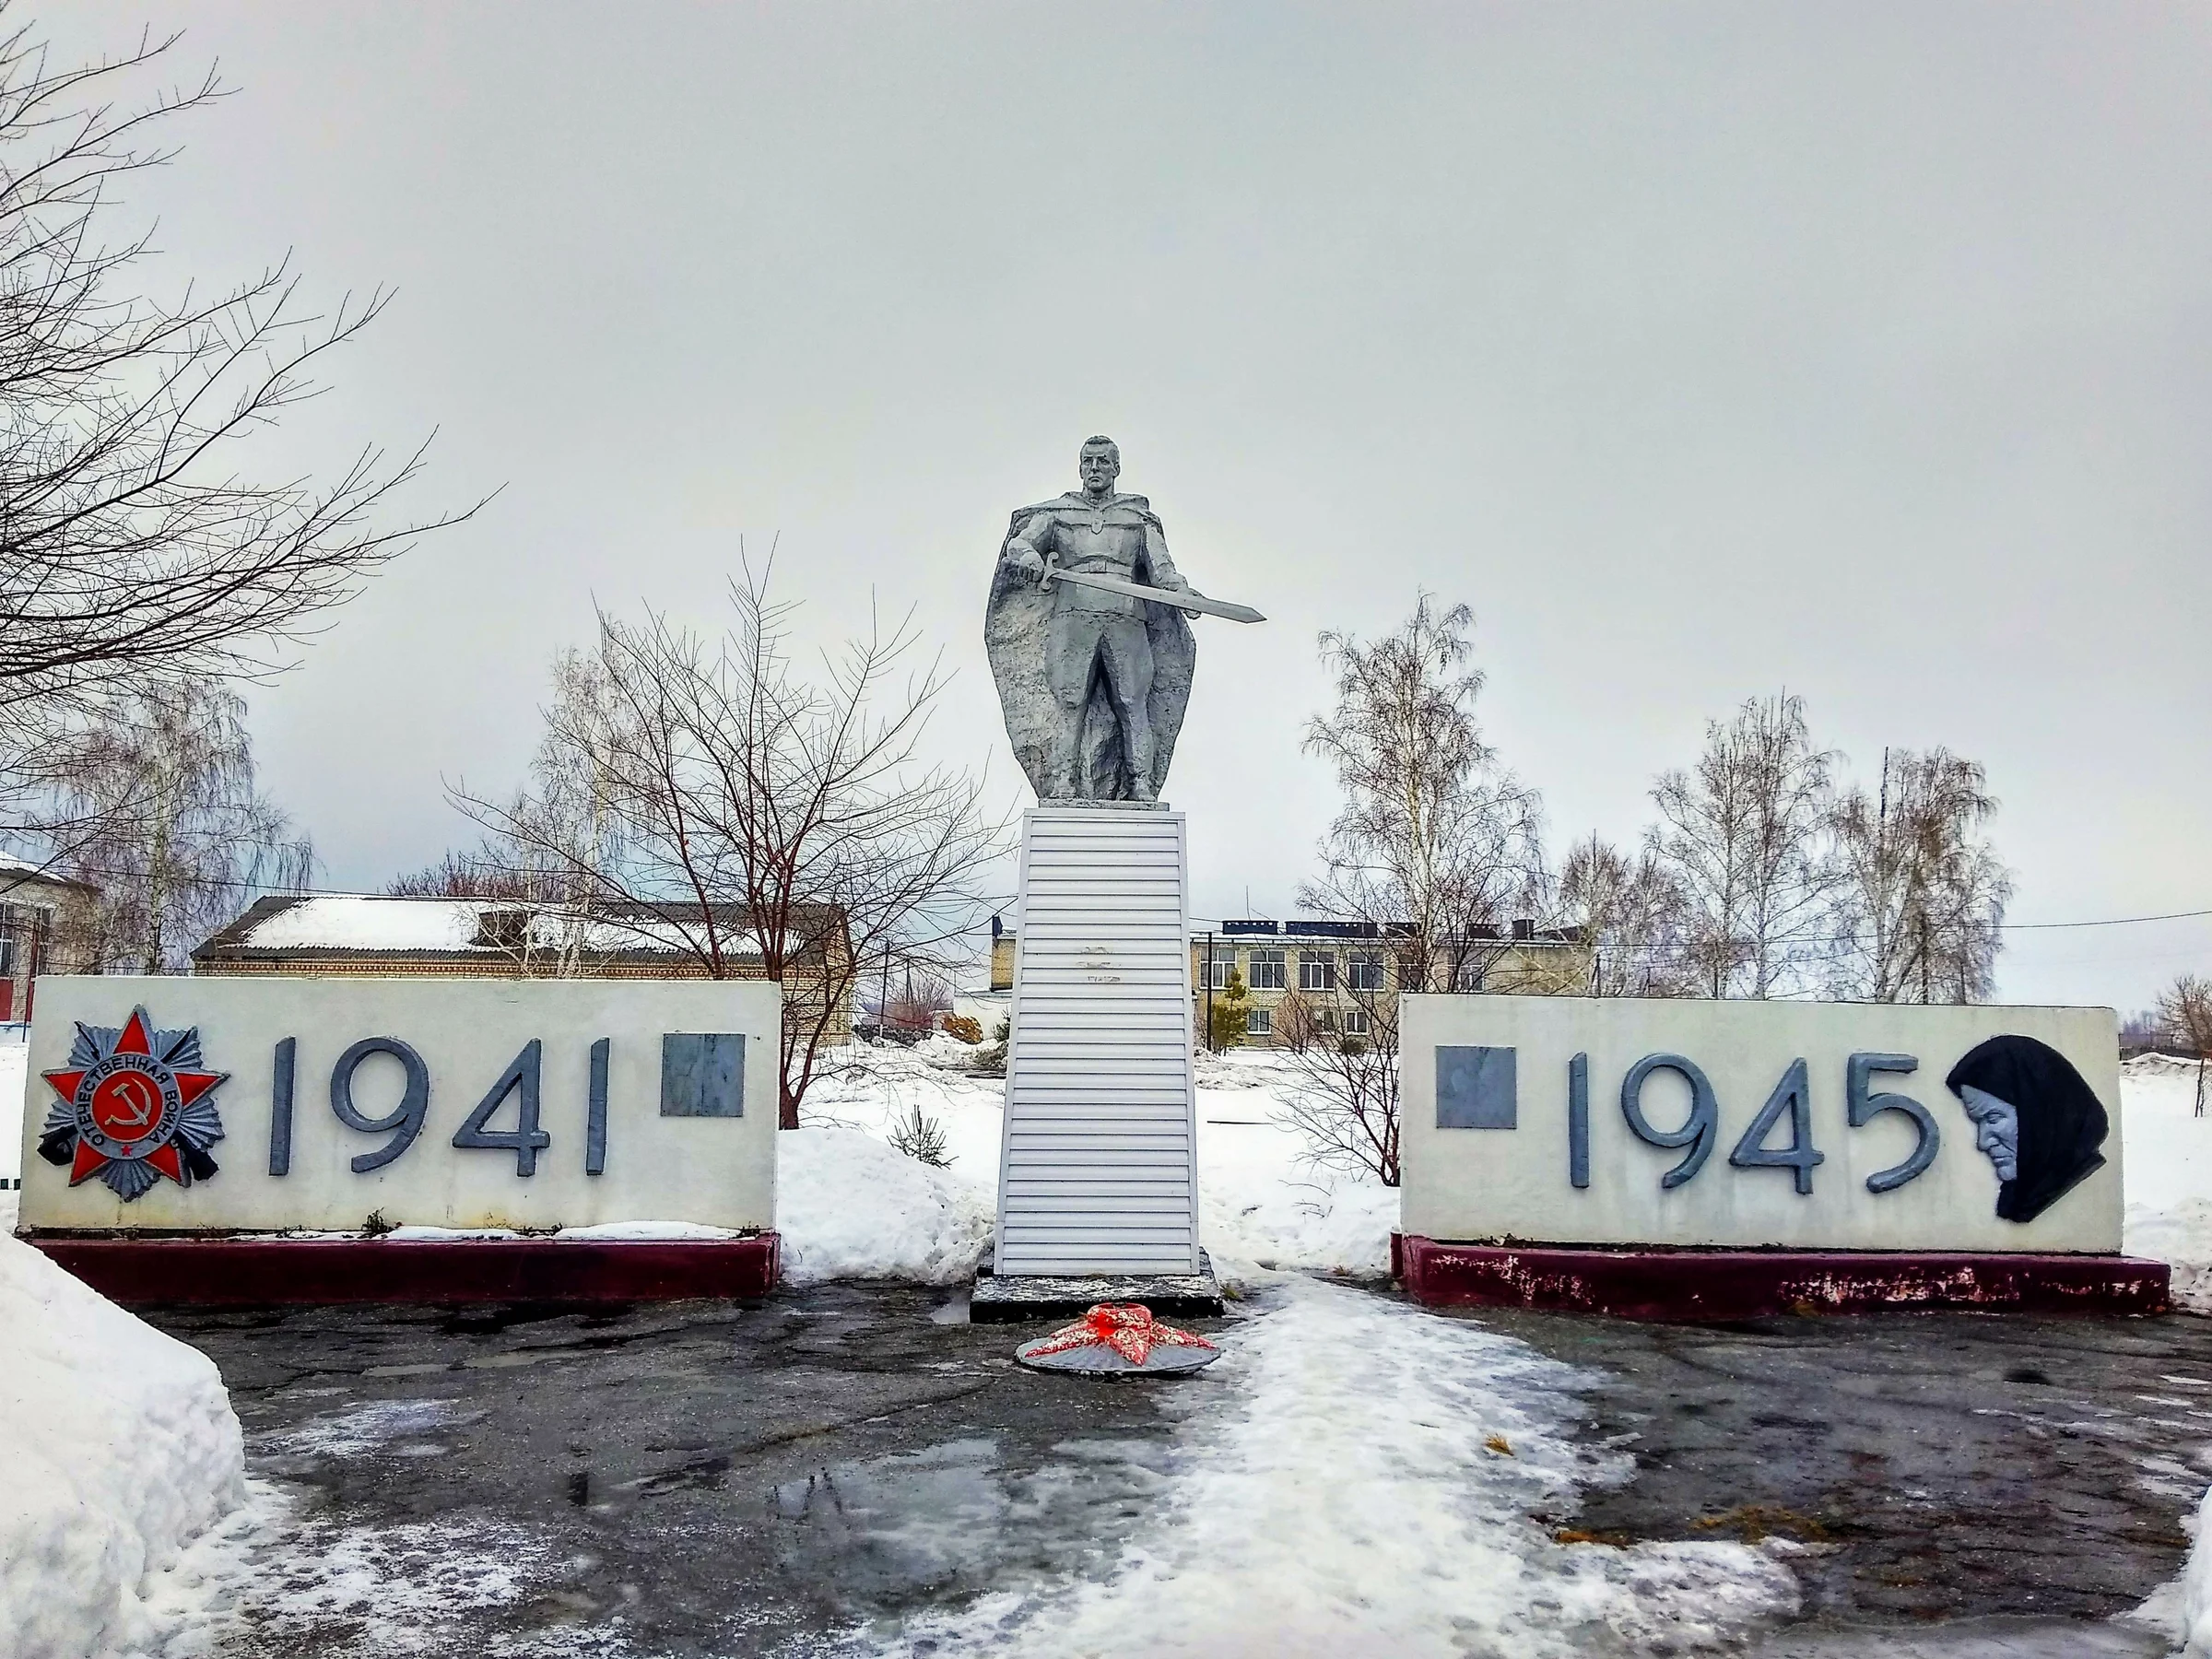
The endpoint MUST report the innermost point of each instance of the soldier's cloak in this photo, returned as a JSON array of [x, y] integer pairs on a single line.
[[1015, 621]]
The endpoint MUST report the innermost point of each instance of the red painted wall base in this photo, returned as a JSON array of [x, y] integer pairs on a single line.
[[1750, 1284], [258, 1272]]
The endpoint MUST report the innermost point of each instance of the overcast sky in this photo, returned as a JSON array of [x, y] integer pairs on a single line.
[[1706, 350]]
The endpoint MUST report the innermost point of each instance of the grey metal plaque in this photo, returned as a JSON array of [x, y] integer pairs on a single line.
[[1475, 1089], [703, 1074]]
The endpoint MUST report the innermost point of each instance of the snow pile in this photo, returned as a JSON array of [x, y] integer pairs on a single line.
[[1261, 1205], [118, 1446], [2166, 1159], [2196, 1588], [851, 1206], [943, 1051], [1364, 1482]]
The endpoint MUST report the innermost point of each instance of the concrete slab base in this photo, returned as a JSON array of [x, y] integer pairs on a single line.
[[254, 1272], [1011, 1299], [1751, 1284]]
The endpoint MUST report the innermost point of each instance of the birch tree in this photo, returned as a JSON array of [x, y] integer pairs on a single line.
[[1745, 834], [166, 819], [1436, 848], [1629, 910], [1921, 903]]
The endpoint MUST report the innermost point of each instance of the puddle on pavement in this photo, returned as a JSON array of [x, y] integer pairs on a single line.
[[883, 1534]]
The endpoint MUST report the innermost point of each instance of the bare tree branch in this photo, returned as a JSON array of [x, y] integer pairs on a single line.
[[772, 823], [135, 543]]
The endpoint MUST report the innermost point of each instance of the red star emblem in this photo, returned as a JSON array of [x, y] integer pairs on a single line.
[[133, 1107]]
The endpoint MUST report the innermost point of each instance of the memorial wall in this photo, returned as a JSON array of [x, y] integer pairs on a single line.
[[269, 1104], [1830, 1126]]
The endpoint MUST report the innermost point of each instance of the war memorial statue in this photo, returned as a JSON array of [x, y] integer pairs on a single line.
[[1088, 633], [1089, 640]]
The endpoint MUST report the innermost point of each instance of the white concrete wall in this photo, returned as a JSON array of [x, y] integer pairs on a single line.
[[1469, 1185], [720, 1171]]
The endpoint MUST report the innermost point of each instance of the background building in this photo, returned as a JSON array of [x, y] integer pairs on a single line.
[[1311, 976], [1316, 974], [45, 924], [373, 934]]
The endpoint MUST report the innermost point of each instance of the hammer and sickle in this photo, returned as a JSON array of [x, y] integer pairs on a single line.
[[137, 1092]]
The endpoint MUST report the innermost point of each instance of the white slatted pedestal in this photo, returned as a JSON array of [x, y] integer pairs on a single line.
[[1097, 1186]]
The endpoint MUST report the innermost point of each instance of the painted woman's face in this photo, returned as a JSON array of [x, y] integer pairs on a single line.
[[1996, 1129]]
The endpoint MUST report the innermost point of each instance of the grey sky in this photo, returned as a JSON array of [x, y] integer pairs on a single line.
[[1864, 350]]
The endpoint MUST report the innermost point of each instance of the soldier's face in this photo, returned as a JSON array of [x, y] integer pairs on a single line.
[[1099, 467]]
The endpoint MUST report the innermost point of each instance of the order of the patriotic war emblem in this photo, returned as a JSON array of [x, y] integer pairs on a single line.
[[135, 1105]]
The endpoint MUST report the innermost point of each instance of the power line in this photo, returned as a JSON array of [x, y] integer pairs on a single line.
[[2107, 921]]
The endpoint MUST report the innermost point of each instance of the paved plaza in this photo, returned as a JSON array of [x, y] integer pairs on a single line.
[[829, 1472]]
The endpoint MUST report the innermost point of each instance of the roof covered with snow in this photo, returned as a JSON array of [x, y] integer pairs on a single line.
[[331, 927], [18, 872]]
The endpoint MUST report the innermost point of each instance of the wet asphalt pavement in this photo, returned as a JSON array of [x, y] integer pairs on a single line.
[[705, 1479]]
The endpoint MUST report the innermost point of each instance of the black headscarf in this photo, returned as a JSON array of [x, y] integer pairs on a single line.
[[2061, 1122]]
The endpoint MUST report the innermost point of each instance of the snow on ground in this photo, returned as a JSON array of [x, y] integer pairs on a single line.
[[2166, 1161], [402, 1590], [2196, 1587], [1358, 1478], [118, 1446], [1260, 1206]]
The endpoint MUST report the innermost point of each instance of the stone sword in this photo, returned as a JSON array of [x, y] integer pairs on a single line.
[[1186, 599]]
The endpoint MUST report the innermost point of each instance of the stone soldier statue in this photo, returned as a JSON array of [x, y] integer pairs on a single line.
[[1087, 638]]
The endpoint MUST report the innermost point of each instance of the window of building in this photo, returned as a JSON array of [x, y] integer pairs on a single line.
[[1259, 1022], [1317, 971], [1324, 1019], [1266, 970], [1356, 1022], [1213, 975], [1364, 972]]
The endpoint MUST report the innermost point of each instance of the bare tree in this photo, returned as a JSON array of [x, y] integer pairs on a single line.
[[1434, 835], [136, 542], [470, 875], [1629, 910], [1345, 1107], [165, 819], [917, 1005], [1744, 836], [2186, 1009], [1922, 906], [1436, 849], [765, 823]]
